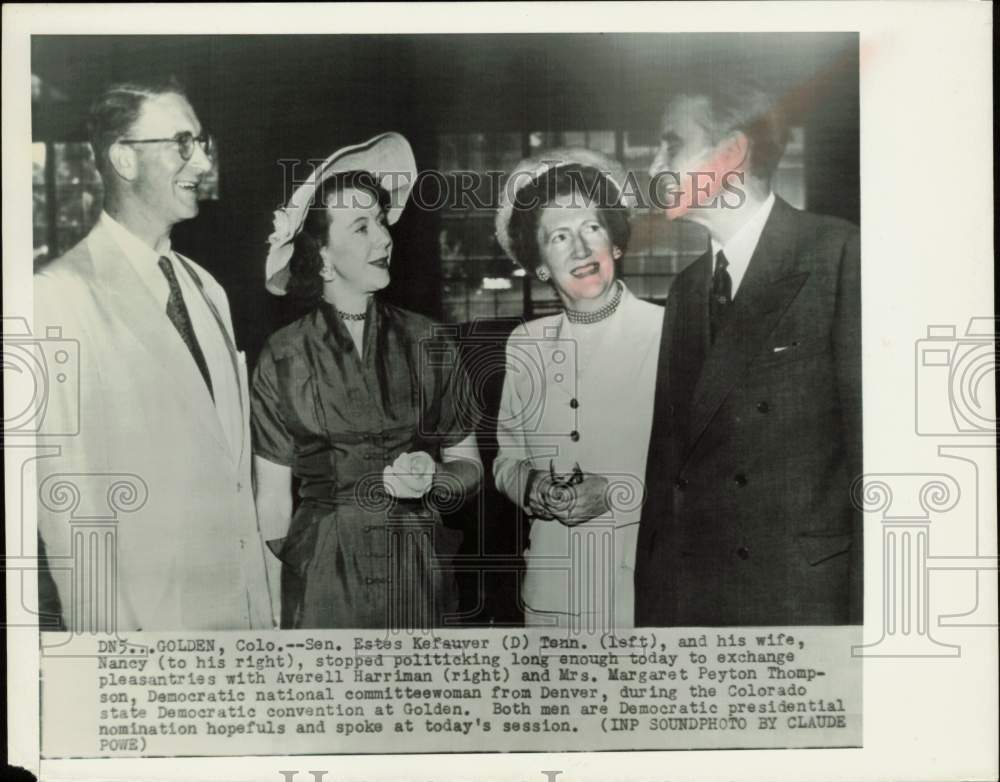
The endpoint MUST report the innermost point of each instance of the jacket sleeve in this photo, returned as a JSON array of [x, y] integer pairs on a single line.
[[847, 355], [71, 426]]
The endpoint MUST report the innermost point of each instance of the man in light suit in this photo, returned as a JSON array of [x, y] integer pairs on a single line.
[[162, 396], [756, 433]]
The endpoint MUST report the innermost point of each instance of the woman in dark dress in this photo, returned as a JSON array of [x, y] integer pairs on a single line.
[[354, 401]]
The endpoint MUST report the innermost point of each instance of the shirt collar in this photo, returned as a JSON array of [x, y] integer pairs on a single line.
[[741, 245], [140, 256], [132, 245]]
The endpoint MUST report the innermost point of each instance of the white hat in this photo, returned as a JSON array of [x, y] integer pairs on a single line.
[[387, 157], [528, 171]]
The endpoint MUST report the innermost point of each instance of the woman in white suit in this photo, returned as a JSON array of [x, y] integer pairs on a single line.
[[577, 403]]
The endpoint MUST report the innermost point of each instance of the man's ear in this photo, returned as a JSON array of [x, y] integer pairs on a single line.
[[124, 161], [737, 151]]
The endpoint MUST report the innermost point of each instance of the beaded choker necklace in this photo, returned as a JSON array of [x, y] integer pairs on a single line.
[[575, 316], [350, 315]]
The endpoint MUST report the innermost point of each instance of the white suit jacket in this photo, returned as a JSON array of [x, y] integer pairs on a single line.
[[146, 512], [573, 398]]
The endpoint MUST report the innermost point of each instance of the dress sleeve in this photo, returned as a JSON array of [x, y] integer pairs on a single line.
[[271, 438], [459, 414]]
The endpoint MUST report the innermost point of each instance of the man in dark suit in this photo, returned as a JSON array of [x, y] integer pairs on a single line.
[[756, 433]]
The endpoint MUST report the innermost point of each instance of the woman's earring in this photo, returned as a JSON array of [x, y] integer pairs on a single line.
[[616, 253], [543, 274], [326, 273]]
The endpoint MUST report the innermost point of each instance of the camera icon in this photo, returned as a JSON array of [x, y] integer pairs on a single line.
[[543, 370], [35, 368], [956, 379]]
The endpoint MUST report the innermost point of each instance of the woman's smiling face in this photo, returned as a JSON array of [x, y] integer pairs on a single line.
[[575, 247], [358, 244]]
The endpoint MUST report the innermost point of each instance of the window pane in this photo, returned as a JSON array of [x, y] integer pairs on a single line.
[[208, 188], [79, 193], [478, 277], [39, 202], [600, 140], [790, 178]]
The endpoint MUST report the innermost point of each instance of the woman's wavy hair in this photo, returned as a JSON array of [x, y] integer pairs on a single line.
[[583, 182], [305, 282]]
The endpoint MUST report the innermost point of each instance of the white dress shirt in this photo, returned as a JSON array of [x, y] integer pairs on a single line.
[[225, 386], [741, 245]]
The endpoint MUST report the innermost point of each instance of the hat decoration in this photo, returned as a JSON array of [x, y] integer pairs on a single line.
[[387, 157]]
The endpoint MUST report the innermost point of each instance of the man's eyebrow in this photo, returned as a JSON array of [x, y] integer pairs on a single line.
[[357, 220]]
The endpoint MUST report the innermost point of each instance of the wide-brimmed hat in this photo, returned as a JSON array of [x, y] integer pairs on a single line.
[[387, 157], [529, 170]]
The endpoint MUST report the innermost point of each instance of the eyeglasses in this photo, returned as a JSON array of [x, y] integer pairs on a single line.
[[575, 478], [185, 142]]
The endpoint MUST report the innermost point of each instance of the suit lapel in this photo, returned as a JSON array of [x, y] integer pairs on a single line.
[[683, 349], [211, 306], [238, 370], [130, 303], [220, 322], [770, 284]]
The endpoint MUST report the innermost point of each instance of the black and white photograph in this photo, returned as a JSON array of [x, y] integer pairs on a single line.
[[357, 383], [478, 390]]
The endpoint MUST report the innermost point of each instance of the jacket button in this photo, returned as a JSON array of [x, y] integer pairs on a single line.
[[763, 407], [681, 484], [574, 436], [741, 479], [573, 403], [743, 552]]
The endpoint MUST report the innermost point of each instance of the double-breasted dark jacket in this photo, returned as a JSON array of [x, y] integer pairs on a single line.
[[756, 440]]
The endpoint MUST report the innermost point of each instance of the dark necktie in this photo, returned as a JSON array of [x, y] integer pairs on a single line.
[[722, 294], [178, 314]]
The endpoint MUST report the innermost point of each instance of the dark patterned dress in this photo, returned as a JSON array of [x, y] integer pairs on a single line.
[[353, 557]]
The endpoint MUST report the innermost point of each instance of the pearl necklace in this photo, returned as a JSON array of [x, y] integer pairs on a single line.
[[575, 316], [351, 315]]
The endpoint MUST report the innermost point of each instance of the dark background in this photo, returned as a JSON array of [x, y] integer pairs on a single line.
[[268, 98]]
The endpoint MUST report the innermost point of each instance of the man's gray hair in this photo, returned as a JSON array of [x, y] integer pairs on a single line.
[[116, 110], [737, 102]]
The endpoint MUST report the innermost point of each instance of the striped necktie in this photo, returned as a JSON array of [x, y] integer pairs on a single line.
[[722, 294], [178, 313]]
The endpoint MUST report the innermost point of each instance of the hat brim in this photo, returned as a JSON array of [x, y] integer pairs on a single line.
[[388, 157]]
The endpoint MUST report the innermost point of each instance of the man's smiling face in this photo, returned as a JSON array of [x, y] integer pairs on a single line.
[[166, 185]]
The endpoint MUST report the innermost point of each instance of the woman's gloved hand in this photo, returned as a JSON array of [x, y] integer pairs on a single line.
[[410, 476]]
